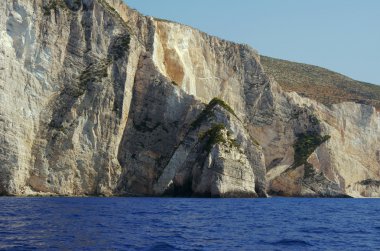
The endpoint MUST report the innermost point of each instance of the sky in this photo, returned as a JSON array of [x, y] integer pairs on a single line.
[[341, 35]]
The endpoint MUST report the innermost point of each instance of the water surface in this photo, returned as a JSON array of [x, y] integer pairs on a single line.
[[189, 224]]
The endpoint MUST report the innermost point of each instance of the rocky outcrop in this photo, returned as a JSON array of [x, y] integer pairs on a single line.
[[217, 158], [98, 99]]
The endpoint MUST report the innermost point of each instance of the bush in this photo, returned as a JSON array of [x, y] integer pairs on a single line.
[[215, 136], [53, 5], [207, 112], [305, 145]]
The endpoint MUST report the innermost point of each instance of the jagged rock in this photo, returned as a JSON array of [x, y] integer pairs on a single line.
[[217, 158], [98, 99]]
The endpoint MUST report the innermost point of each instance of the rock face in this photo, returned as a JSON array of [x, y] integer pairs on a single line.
[[216, 158], [97, 99]]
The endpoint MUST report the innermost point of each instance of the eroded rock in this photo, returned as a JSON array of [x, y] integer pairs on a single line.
[[98, 99]]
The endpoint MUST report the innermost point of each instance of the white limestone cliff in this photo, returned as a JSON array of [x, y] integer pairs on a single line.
[[97, 99]]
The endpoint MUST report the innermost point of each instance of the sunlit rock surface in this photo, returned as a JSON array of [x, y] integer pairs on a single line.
[[97, 99]]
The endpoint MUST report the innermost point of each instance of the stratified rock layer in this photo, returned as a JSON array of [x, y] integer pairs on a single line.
[[98, 99]]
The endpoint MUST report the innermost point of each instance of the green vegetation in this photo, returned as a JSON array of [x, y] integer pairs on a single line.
[[215, 136], [120, 46], [207, 112], [53, 5], [370, 182], [58, 127], [309, 171], [320, 84], [94, 72], [312, 118], [233, 143], [218, 101], [305, 146], [91, 74]]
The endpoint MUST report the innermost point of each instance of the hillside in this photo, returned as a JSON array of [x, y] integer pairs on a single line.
[[320, 84]]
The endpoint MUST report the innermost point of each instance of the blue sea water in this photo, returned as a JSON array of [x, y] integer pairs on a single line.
[[189, 224]]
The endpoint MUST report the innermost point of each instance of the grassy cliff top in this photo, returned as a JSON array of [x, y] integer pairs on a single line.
[[317, 83]]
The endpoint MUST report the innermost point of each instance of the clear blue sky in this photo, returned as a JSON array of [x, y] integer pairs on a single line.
[[341, 35]]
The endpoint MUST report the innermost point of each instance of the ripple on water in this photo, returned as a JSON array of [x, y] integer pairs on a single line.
[[188, 224], [292, 242]]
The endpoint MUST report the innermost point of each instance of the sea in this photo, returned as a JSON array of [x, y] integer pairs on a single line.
[[94, 223]]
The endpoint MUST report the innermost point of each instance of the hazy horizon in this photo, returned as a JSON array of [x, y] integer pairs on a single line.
[[340, 35]]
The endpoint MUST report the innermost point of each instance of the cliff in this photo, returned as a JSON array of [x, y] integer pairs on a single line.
[[97, 99]]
